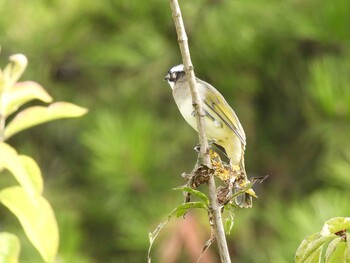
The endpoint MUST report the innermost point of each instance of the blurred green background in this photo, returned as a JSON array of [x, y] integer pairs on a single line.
[[284, 66]]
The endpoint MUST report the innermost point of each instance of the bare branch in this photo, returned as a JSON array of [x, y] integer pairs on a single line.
[[204, 152]]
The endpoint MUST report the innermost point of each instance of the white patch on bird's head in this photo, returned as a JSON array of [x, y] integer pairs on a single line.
[[173, 74], [178, 68]]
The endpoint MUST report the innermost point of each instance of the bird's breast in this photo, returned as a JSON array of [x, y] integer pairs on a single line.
[[187, 111]]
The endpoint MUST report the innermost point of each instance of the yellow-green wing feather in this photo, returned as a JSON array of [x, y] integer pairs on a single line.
[[216, 102]]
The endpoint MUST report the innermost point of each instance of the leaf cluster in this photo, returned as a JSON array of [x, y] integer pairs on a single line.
[[329, 245], [25, 199]]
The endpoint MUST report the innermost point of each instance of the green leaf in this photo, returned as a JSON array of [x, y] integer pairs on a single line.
[[304, 244], [36, 218], [335, 225], [9, 248], [336, 251], [315, 256], [311, 246], [310, 249], [181, 210], [13, 71], [23, 169], [22, 93], [229, 221], [197, 193], [33, 171], [38, 114]]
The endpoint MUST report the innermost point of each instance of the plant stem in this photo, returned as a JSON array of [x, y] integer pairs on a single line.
[[204, 152]]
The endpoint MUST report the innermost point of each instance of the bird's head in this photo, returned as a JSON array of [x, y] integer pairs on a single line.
[[174, 74]]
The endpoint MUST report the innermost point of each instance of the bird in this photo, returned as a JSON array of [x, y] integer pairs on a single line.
[[222, 125]]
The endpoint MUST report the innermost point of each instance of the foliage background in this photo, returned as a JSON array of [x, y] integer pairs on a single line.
[[284, 66]]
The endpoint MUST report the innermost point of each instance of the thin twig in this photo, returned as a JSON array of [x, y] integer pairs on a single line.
[[204, 152]]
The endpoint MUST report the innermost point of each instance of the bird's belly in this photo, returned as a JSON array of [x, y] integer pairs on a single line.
[[187, 111]]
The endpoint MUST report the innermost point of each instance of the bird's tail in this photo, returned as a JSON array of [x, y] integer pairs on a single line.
[[240, 181], [244, 200]]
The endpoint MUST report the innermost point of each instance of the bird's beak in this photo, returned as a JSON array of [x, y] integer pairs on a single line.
[[167, 77]]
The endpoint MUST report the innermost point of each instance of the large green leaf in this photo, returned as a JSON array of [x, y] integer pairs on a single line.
[[36, 218], [336, 251], [39, 114], [332, 237], [21, 93], [9, 248], [311, 247], [314, 257], [33, 171], [23, 168]]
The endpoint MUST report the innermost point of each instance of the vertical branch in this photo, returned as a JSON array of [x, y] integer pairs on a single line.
[[204, 153]]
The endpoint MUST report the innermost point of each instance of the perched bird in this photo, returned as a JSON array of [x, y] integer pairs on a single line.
[[221, 123]]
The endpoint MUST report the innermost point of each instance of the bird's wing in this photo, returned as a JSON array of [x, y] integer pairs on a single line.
[[216, 102]]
